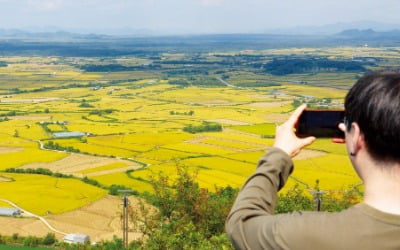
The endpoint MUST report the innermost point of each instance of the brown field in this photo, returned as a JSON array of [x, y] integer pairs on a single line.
[[111, 171], [6, 150], [78, 162], [278, 118], [36, 100], [230, 122], [29, 118], [23, 226], [100, 220], [269, 104], [5, 179]]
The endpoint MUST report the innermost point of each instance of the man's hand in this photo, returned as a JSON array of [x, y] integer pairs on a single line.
[[285, 137]]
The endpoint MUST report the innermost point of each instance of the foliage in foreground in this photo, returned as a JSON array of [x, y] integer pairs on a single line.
[[186, 216]]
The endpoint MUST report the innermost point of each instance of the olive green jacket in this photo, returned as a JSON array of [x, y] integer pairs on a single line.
[[252, 225]]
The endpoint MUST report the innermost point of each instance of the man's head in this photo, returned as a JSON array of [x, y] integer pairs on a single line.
[[374, 104]]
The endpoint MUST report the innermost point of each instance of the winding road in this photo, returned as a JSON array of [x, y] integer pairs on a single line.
[[27, 213]]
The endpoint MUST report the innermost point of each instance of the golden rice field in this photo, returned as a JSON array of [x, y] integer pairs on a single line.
[[44, 195], [142, 120]]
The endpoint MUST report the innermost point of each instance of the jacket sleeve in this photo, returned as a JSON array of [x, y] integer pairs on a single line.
[[256, 202]]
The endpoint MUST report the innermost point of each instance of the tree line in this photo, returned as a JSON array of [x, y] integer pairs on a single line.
[[313, 65]]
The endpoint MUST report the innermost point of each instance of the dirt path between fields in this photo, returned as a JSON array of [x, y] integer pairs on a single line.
[[29, 214]]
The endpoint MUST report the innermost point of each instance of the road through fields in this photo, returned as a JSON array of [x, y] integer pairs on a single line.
[[27, 213]]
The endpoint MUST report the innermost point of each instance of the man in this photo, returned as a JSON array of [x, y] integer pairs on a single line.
[[372, 137]]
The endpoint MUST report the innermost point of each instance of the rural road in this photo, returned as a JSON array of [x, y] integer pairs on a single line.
[[226, 83], [27, 213]]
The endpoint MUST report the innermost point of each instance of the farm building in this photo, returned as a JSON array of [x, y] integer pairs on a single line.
[[69, 134], [9, 212], [76, 238]]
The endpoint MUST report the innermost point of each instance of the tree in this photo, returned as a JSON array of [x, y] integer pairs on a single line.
[[186, 216], [49, 239]]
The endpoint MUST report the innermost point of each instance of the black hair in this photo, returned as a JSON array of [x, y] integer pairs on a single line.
[[374, 104]]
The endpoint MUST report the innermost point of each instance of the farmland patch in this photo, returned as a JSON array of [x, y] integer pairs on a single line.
[[229, 122], [5, 150], [269, 104], [74, 163]]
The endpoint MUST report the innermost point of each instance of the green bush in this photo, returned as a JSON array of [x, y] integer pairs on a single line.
[[204, 127], [49, 239], [187, 216]]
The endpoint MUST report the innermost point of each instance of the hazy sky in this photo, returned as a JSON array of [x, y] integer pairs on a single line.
[[192, 16]]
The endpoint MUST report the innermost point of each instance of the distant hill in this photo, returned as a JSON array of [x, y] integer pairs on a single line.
[[22, 34], [369, 34], [335, 28]]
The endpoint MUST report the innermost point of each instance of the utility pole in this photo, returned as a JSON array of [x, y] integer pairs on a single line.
[[318, 199], [125, 216]]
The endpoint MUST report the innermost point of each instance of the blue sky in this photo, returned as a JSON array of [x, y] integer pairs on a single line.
[[192, 16]]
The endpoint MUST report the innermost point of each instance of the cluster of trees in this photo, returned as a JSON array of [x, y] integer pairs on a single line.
[[313, 65], [204, 127], [196, 81], [56, 146], [187, 216], [191, 112], [30, 241], [102, 112], [85, 105], [116, 67], [3, 64], [72, 85], [10, 113], [202, 70], [42, 171], [49, 241]]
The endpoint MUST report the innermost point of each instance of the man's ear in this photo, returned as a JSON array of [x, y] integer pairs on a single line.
[[357, 141]]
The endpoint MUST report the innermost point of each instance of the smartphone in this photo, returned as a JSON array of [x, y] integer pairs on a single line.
[[320, 123]]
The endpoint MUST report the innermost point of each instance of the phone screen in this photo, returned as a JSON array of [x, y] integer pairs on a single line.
[[320, 123]]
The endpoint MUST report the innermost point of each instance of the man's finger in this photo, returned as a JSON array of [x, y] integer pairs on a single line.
[[308, 140], [342, 126], [296, 114]]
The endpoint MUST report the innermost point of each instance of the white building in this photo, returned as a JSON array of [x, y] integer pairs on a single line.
[[9, 212], [76, 238]]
